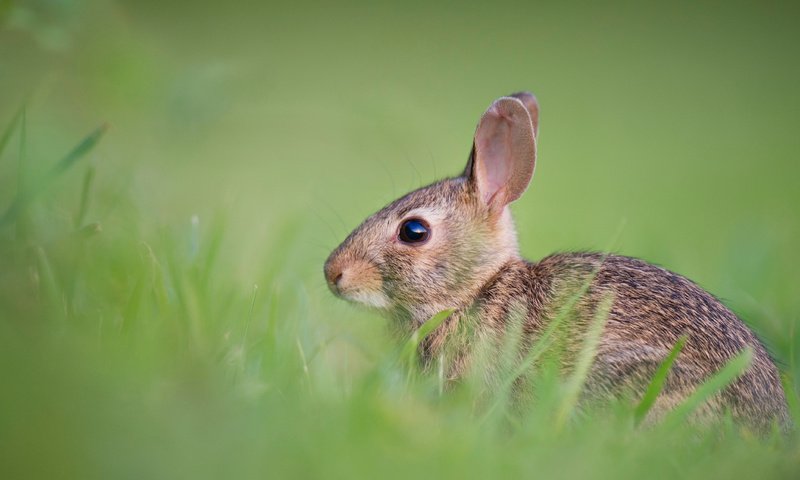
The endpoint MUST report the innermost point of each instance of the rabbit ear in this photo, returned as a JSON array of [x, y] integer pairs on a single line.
[[504, 152], [530, 102]]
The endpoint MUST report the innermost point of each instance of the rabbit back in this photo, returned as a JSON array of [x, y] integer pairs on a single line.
[[651, 309]]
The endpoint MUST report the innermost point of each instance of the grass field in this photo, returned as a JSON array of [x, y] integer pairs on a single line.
[[174, 174]]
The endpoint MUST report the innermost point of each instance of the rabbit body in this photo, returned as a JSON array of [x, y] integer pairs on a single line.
[[452, 245], [651, 309]]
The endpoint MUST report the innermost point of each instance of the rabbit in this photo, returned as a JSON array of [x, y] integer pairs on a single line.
[[452, 245]]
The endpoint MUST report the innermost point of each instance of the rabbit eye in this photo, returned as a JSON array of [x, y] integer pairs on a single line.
[[414, 231]]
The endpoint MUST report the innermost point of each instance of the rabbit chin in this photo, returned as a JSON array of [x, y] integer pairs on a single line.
[[369, 299]]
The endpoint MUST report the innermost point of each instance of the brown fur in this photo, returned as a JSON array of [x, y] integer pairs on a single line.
[[471, 264]]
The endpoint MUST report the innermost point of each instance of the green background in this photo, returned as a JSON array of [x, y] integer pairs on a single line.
[[668, 132]]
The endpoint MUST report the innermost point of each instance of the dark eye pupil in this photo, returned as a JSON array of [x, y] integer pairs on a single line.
[[413, 231]]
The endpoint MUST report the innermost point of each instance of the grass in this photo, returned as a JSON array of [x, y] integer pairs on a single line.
[[657, 382], [165, 369], [162, 308]]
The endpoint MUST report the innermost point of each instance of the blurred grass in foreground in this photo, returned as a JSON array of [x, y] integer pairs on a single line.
[[245, 142]]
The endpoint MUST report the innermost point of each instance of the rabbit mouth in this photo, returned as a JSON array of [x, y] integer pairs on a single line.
[[369, 299]]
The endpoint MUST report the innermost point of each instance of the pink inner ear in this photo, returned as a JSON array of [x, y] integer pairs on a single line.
[[505, 152], [493, 148]]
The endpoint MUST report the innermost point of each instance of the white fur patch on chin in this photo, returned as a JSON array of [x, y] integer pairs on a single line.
[[370, 299]]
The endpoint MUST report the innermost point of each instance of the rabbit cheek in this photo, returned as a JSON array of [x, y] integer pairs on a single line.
[[416, 278]]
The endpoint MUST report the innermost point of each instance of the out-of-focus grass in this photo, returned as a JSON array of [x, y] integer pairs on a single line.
[[245, 141]]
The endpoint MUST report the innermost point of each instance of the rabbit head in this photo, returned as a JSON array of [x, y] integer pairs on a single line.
[[436, 247]]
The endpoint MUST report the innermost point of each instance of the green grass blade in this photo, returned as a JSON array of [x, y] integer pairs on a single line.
[[657, 382], [130, 312], [25, 196], [213, 242], [86, 190], [22, 155], [544, 342], [584, 362], [734, 368], [248, 320], [48, 285], [409, 351], [792, 400], [86, 145], [9, 131]]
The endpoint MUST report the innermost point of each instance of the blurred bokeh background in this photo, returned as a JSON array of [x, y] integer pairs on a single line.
[[669, 131]]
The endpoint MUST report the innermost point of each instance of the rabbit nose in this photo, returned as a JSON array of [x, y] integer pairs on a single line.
[[336, 282], [333, 274]]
